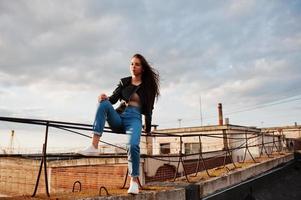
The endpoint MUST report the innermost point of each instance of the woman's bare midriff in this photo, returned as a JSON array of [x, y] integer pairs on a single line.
[[134, 100]]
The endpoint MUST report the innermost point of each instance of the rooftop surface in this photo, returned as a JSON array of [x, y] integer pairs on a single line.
[[217, 186]]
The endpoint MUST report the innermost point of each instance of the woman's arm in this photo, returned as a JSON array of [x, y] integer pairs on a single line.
[[116, 93], [148, 116], [148, 122]]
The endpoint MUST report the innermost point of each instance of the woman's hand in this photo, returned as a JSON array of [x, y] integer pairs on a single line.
[[102, 97]]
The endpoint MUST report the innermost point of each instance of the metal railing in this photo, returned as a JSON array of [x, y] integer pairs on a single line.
[[226, 152]]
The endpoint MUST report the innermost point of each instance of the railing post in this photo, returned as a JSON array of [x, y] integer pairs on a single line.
[[181, 161], [43, 162], [247, 149], [226, 148], [263, 146], [201, 157]]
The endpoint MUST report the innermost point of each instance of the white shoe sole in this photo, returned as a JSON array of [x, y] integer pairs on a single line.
[[133, 192], [88, 153]]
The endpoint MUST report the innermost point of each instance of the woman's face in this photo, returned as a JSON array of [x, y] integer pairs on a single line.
[[136, 67]]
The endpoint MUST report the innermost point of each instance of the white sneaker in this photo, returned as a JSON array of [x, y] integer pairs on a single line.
[[89, 151], [134, 188]]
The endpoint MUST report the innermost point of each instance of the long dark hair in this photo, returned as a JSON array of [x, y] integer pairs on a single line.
[[150, 80]]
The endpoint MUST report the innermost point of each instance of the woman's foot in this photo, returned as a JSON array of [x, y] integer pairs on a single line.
[[134, 188], [89, 151]]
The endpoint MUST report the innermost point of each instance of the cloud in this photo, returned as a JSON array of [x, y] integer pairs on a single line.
[[236, 52], [26, 111]]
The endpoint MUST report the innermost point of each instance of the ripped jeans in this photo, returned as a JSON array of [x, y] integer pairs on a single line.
[[130, 121]]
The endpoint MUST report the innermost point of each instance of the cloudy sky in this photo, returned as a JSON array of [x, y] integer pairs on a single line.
[[57, 56]]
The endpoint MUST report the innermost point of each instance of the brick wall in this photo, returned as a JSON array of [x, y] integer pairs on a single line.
[[210, 163], [90, 176], [166, 172], [18, 176], [163, 173]]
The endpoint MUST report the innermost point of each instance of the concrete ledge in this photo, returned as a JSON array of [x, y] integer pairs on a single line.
[[239, 175], [178, 194], [232, 178]]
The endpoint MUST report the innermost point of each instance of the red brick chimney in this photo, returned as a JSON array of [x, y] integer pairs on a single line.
[[220, 114]]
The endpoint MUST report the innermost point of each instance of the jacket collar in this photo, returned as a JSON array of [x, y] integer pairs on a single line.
[[126, 80]]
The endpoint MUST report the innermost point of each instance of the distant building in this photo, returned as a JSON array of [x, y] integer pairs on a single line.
[[292, 135], [215, 139]]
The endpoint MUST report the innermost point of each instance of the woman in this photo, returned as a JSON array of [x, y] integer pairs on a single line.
[[137, 94]]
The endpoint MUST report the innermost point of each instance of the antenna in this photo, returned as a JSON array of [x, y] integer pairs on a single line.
[[11, 144], [201, 111], [179, 122]]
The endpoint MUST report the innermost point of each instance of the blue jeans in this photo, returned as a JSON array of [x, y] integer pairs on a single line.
[[130, 122]]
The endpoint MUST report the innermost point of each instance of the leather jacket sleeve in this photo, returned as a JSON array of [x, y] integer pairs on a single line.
[[116, 95], [148, 117], [148, 122]]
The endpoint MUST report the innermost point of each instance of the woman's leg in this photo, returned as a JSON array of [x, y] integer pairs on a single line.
[[105, 111], [95, 140], [133, 126]]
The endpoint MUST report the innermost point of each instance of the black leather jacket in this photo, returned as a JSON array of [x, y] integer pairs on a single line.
[[124, 91]]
